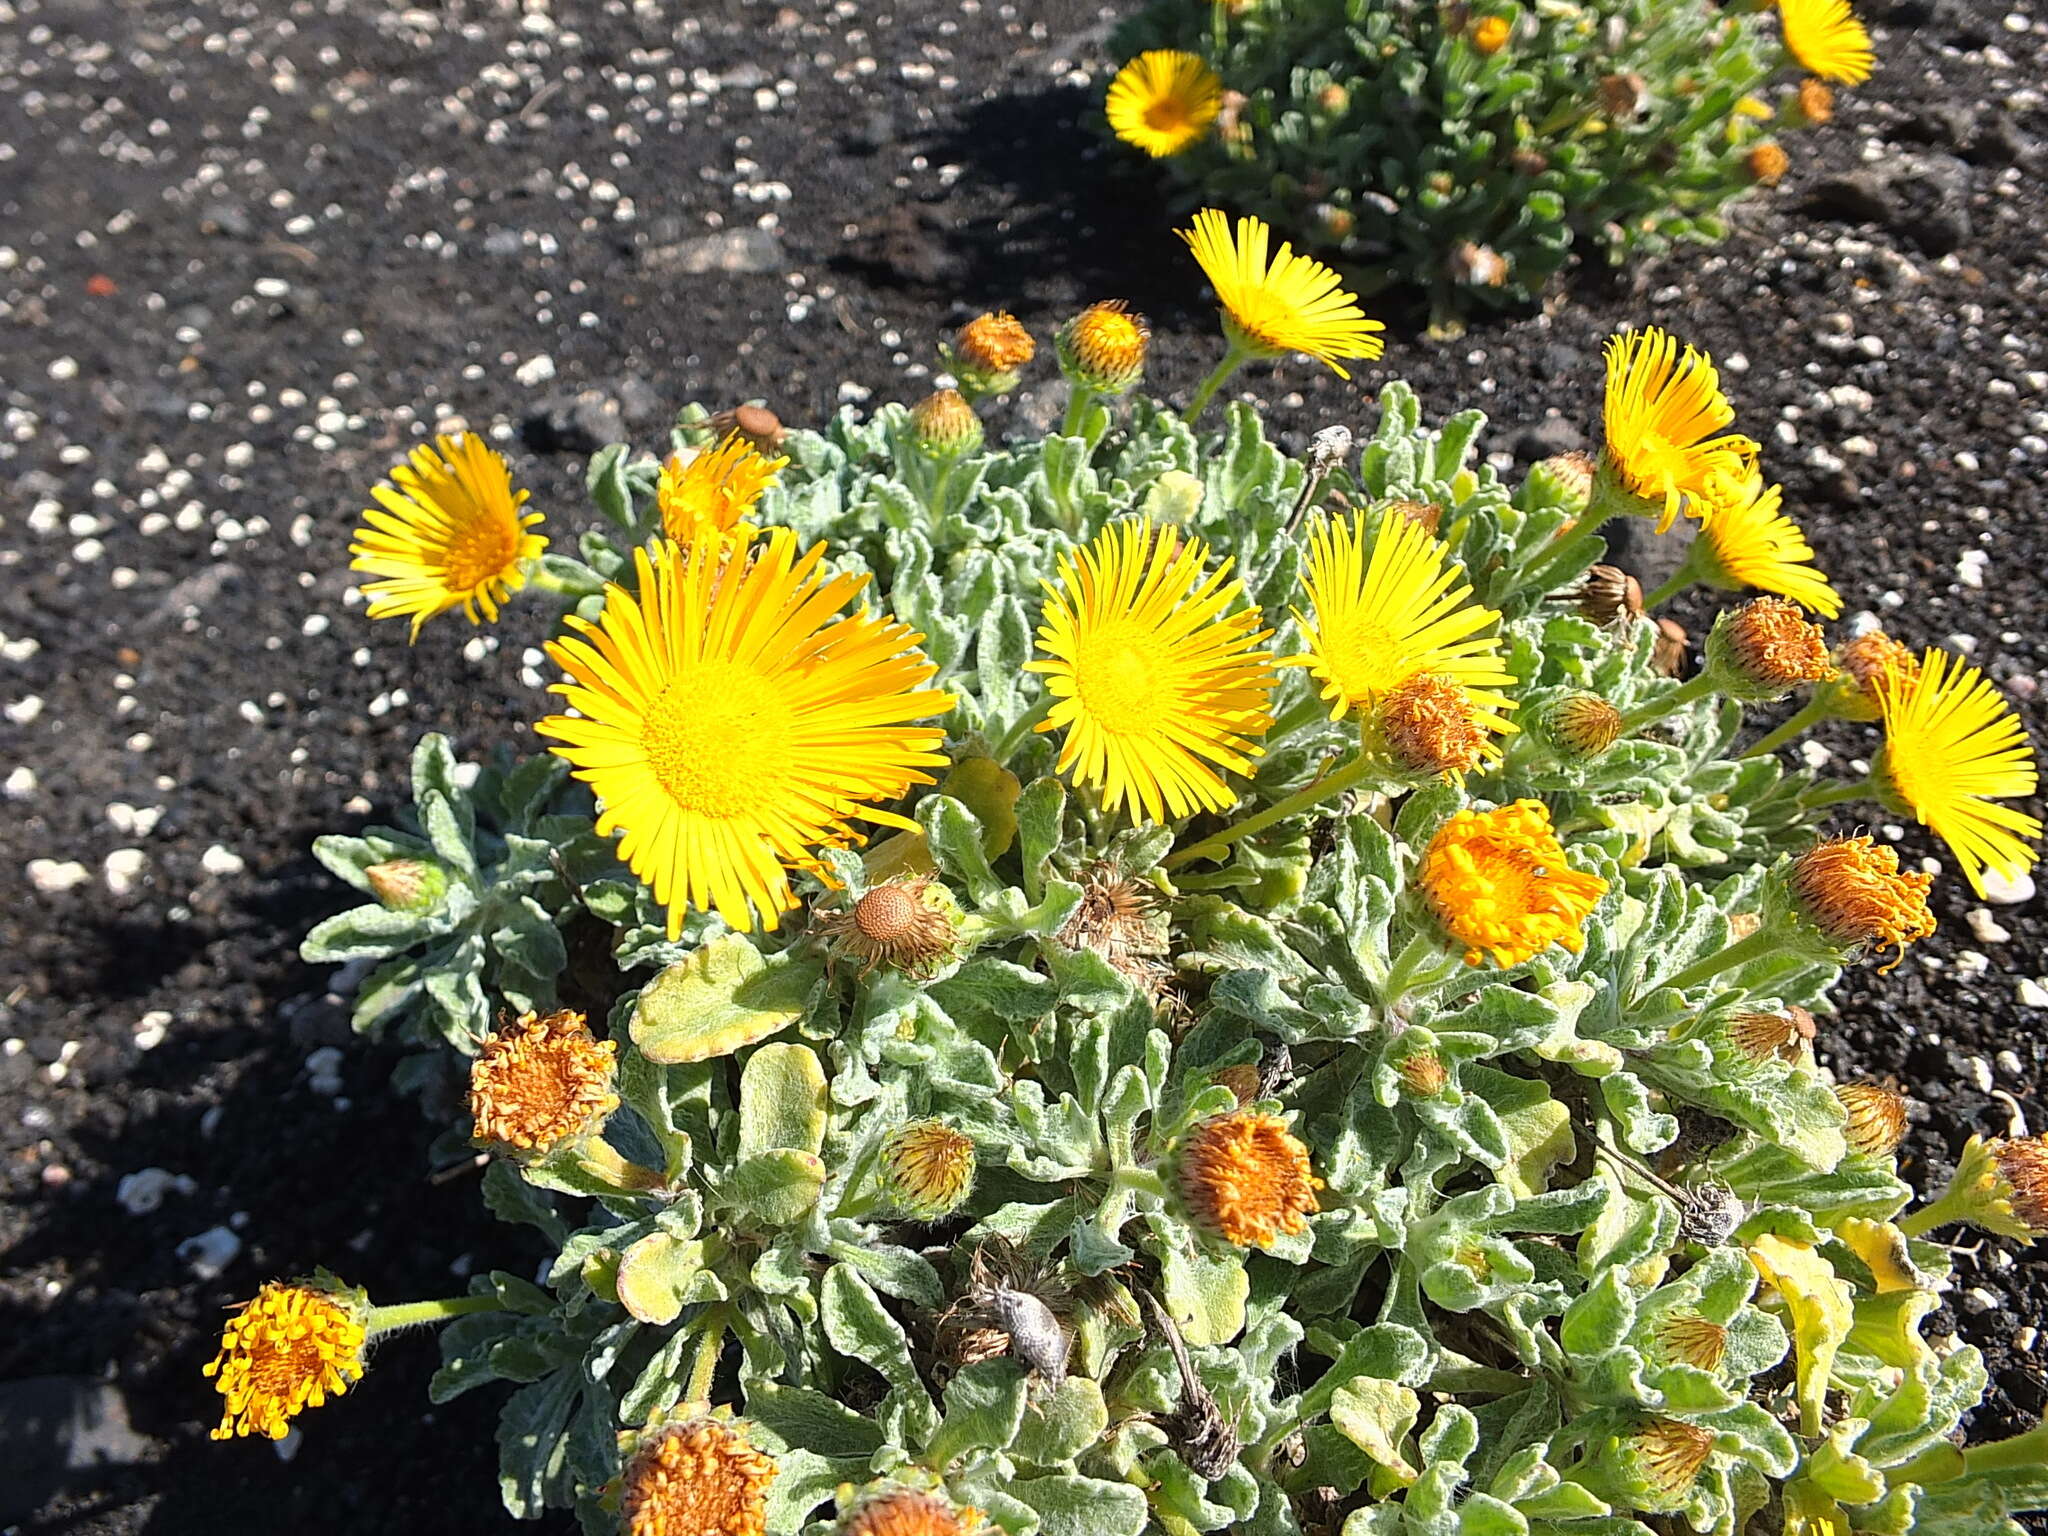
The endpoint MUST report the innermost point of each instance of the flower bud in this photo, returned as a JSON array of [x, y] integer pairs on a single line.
[[1490, 34], [1336, 223], [1847, 896], [1810, 106], [1529, 162], [1877, 1118], [1689, 1339], [1764, 649], [1333, 98], [1581, 726], [1423, 1074], [407, 885], [1664, 1459], [1103, 347], [927, 1169], [1623, 95], [1767, 164], [945, 425], [1242, 1080], [1175, 497], [1244, 1178], [899, 1511], [1667, 653], [1864, 663], [1999, 1185], [988, 353], [1765, 1037]]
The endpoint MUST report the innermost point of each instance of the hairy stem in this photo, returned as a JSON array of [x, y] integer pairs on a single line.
[[1233, 360], [1328, 787], [1808, 715], [413, 1314]]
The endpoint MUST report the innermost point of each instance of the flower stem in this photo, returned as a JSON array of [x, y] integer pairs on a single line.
[[1328, 787], [1233, 360], [1680, 580], [1409, 968], [1938, 1212], [1837, 794], [1078, 398], [563, 576], [414, 1314], [1021, 728], [704, 1362], [1808, 715], [1568, 555], [1741, 952], [1698, 686], [1142, 1181]]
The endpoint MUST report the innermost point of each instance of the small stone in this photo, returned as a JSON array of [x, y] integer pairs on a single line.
[[2031, 993], [2003, 890], [2008, 1062], [1985, 927], [1980, 1073], [20, 783], [210, 1253], [151, 1028], [53, 878], [728, 250], [123, 869], [535, 370], [222, 861], [572, 423], [143, 1192], [56, 1429]]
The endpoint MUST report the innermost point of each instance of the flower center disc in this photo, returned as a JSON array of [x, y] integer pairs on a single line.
[[719, 739], [480, 547], [1120, 673]]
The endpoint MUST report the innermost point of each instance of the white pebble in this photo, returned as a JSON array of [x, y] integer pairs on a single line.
[[211, 1252], [222, 861], [64, 368], [2031, 993], [2008, 1062], [314, 624], [123, 869], [1815, 754], [535, 370], [143, 1192], [2003, 890], [53, 878], [151, 1028], [20, 783], [1980, 1073], [24, 711], [323, 1071], [1985, 927]]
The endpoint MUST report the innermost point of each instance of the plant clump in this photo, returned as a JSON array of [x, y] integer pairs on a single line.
[[1132, 983], [1471, 149]]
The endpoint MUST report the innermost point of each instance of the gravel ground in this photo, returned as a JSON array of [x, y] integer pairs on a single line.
[[246, 252]]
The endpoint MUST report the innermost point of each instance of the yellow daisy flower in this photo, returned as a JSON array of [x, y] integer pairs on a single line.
[[1288, 304], [1826, 38], [1748, 541], [1157, 683], [1663, 407], [1952, 749], [1403, 613], [710, 493], [730, 723], [289, 1349], [1498, 882], [446, 533], [1162, 101]]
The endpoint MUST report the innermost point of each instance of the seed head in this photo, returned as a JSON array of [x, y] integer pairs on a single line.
[[407, 885], [697, 1478], [1709, 1215], [1692, 1340], [1668, 1455], [1103, 347], [945, 425], [1765, 648], [1430, 728], [927, 1168], [1244, 1178], [1762, 1037], [1854, 895], [1877, 1117], [907, 925], [1609, 596], [2023, 1168], [542, 1083], [754, 425]]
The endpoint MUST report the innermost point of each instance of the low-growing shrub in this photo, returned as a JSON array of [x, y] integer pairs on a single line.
[[1470, 150], [1321, 1037]]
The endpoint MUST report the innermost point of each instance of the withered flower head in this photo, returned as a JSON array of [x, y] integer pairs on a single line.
[[1668, 1455], [1103, 347], [995, 343], [1877, 1117], [1667, 654], [1854, 894], [1244, 1178], [752, 424], [1763, 1037], [1692, 1340], [927, 1168], [2022, 1164], [1609, 596], [1116, 917], [540, 1083], [909, 1512], [905, 924], [1423, 1074], [1767, 164], [697, 1478], [1242, 1080], [1584, 725], [1430, 727], [1476, 266], [1865, 662], [407, 885], [1763, 649], [945, 424], [1622, 96]]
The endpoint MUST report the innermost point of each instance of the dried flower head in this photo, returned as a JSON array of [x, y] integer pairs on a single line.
[[1812, 104], [1499, 882], [447, 533], [1163, 101], [1103, 347], [905, 924], [754, 424], [1767, 164], [945, 425], [1430, 727], [909, 1512], [1244, 1178], [1762, 1037], [1117, 916], [1242, 1080], [1476, 266], [2022, 1166], [1865, 664], [709, 495], [1854, 894], [540, 1083], [697, 1478], [927, 1168], [1490, 34], [1623, 95], [1668, 1456], [1583, 725], [1691, 1340], [1876, 1117], [1765, 648], [289, 1349], [1667, 651], [1608, 596], [1426, 515], [1423, 1074], [407, 885], [995, 343]]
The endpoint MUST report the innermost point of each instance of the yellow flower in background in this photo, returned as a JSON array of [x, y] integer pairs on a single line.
[[1289, 303], [1499, 882], [698, 1478], [1245, 1178], [731, 723], [1157, 683], [446, 533], [1953, 748], [1162, 101], [1826, 38], [1490, 34], [1663, 408], [1748, 541], [289, 1349], [1403, 612], [710, 494]]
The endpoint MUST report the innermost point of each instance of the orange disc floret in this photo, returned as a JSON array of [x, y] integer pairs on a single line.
[[1853, 892], [995, 343], [1104, 346], [1499, 882], [289, 1349], [1244, 1178], [696, 1479], [542, 1082], [910, 1512], [1766, 647], [1430, 727]]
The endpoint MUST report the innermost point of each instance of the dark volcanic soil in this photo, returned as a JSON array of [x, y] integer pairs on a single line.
[[246, 250]]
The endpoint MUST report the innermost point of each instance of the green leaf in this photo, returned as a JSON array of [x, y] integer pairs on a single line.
[[813, 1421], [722, 998], [1205, 1293], [957, 841], [1083, 1506], [984, 1408], [858, 1325], [1376, 1416], [532, 1443], [775, 1188], [1062, 1424], [657, 1274], [782, 1100]]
